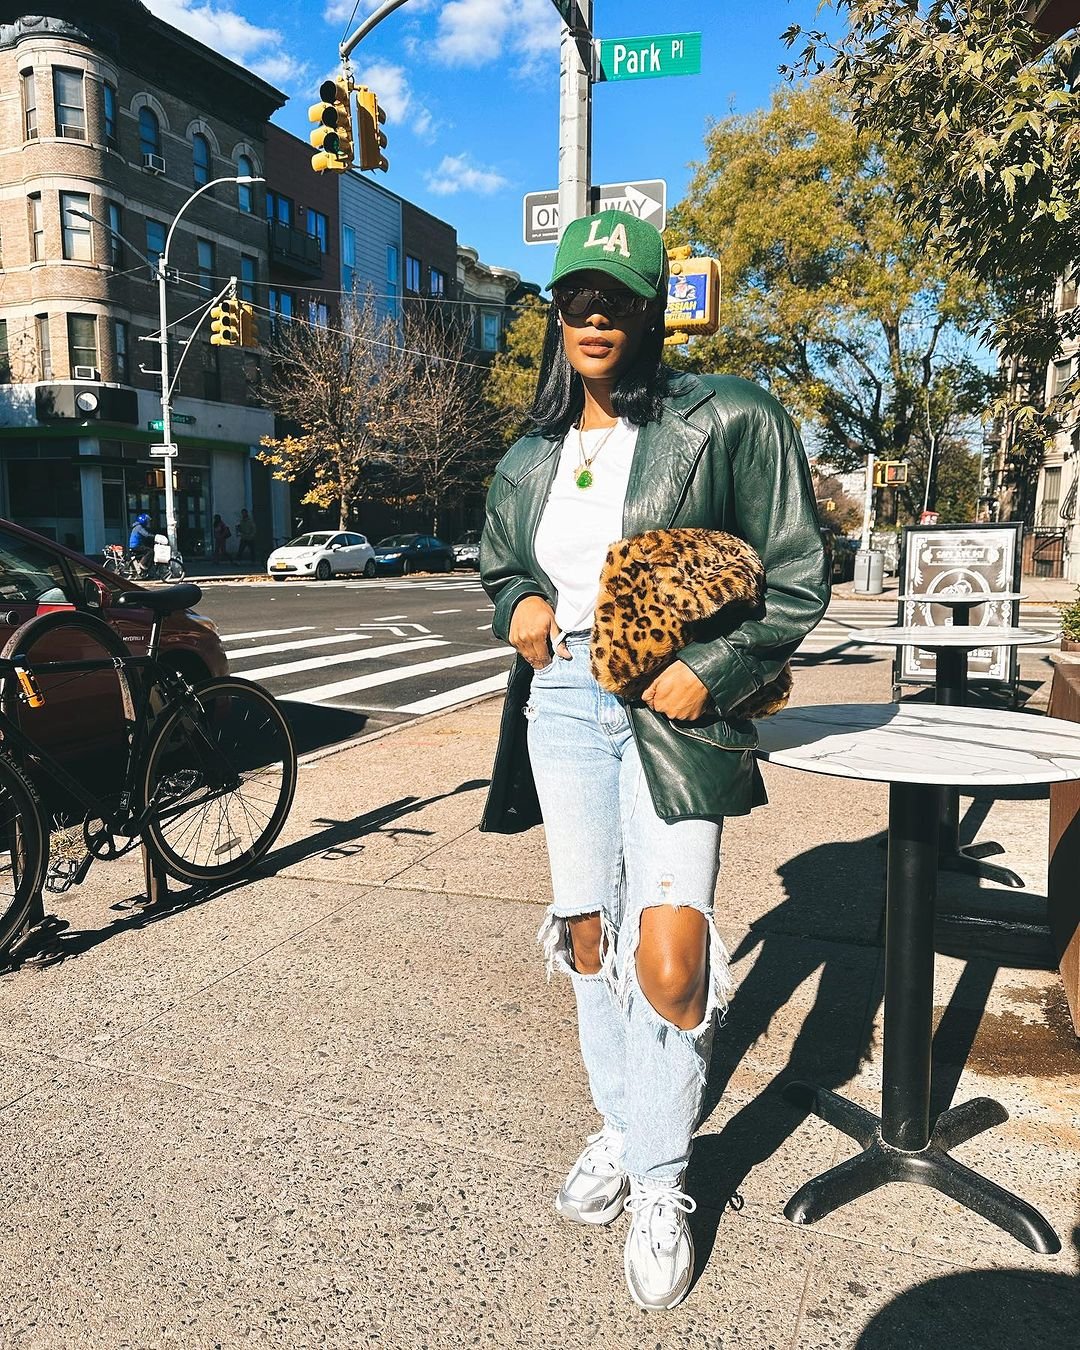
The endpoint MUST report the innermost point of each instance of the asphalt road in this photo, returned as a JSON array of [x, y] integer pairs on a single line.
[[351, 657]]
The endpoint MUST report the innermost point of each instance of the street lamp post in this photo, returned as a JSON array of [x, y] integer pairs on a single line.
[[163, 339]]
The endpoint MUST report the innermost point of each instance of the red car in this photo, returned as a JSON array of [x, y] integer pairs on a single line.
[[80, 723]]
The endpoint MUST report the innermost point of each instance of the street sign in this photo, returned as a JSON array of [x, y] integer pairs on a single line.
[[646, 199], [164, 451], [181, 419], [647, 58]]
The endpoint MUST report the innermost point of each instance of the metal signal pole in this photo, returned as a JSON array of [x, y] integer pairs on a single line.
[[575, 110]]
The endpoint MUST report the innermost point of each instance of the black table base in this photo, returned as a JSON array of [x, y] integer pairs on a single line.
[[899, 1145]]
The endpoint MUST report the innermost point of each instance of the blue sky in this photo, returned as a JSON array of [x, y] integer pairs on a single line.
[[471, 92]]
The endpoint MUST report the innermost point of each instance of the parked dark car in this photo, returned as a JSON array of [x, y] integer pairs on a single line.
[[404, 553], [80, 723]]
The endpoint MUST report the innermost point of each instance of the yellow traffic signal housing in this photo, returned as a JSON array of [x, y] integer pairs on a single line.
[[369, 119], [225, 324], [333, 134], [890, 473], [693, 295], [249, 326]]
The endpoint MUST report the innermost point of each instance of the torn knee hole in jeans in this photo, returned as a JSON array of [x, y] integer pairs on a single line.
[[530, 710], [719, 982], [555, 939]]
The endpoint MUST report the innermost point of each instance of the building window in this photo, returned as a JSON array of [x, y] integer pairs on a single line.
[[1061, 375], [5, 358], [82, 340], [149, 132], [116, 245], [1051, 497], [245, 198], [412, 274], [75, 228], [279, 208], [318, 314], [348, 257], [37, 228], [318, 227], [489, 331], [69, 100], [392, 280], [155, 242], [281, 306], [248, 275], [205, 253], [108, 99], [29, 100], [1068, 290], [211, 371], [44, 346], [200, 148], [438, 283], [120, 348]]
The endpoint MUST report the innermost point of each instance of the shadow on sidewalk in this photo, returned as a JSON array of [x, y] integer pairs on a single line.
[[339, 838], [1007, 1307]]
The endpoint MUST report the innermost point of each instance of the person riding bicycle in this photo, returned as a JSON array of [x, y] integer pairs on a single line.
[[141, 542]]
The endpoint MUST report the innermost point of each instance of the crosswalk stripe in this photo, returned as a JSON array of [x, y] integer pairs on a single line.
[[266, 632], [463, 692], [339, 637], [320, 692], [340, 658]]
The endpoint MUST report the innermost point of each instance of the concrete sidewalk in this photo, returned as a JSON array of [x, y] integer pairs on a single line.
[[1036, 590], [332, 1106]]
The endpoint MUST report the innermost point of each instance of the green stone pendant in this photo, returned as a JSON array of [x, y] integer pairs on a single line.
[[584, 478]]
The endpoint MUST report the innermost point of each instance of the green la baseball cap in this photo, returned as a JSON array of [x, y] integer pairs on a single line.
[[626, 248]]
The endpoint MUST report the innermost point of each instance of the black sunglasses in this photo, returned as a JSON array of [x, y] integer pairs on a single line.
[[577, 301]]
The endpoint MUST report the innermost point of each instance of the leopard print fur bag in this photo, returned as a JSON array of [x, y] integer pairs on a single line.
[[666, 588]]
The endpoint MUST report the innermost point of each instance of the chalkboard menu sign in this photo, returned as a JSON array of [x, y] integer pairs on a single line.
[[959, 561]]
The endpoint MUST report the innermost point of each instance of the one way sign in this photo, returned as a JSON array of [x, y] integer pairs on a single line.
[[647, 199]]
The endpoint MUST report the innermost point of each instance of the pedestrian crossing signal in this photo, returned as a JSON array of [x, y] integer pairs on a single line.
[[890, 473], [693, 304]]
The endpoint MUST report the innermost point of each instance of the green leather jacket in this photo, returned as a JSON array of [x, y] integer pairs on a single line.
[[724, 456]]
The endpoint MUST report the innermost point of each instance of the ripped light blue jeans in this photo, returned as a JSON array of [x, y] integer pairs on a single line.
[[610, 852]]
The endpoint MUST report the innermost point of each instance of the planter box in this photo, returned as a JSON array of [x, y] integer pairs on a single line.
[[1063, 889]]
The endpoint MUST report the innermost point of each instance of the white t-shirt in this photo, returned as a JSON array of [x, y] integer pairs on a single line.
[[579, 525]]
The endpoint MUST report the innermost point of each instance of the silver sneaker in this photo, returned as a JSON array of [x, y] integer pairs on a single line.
[[596, 1186], [659, 1257]]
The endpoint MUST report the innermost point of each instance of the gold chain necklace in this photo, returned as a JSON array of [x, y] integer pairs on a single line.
[[583, 475]]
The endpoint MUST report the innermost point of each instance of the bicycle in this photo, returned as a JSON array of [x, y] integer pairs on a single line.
[[165, 565], [207, 782]]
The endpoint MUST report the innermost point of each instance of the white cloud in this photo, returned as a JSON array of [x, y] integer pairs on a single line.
[[261, 50], [457, 173], [343, 11], [396, 95], [474, 32]]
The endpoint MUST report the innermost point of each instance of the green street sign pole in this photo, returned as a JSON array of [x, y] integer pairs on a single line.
[[648, 58]]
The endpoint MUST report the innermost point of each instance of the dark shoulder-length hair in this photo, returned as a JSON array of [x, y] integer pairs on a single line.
[[560, 394]]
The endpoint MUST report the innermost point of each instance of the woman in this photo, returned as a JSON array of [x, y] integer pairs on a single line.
[[221, 533], [633, 795]]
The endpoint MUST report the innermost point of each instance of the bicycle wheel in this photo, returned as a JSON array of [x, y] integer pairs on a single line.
[[218, 781], [23, 853]]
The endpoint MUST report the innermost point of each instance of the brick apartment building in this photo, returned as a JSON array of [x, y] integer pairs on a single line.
[[108, 111], [304, 231]]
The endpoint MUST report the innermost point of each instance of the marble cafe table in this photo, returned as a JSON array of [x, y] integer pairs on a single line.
[[915, 748], [951, 644]]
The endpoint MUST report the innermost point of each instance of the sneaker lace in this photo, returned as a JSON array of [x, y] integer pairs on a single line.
[[602, 1151], [659, 1207]]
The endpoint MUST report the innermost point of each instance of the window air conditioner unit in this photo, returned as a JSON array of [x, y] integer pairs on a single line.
[[155, 163], [86, 373]]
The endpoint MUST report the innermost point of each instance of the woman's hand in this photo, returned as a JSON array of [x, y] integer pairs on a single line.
[[532, 630], [677, 693]]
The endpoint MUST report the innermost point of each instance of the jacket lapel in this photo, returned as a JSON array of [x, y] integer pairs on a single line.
[[666, 454]]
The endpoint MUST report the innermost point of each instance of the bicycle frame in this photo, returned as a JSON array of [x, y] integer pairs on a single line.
[[178, 692]]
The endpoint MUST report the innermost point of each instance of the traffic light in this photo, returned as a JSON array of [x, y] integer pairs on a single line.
[[225, 324], [249, 326], [890, 473], [369, 118], [333, 134]]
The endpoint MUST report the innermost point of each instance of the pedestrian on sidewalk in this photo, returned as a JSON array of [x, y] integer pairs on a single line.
[[245, 535], [633, 792], [222, 534]]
